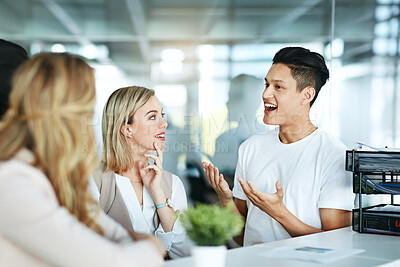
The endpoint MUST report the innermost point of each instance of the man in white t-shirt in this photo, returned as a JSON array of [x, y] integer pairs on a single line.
[[292, 181]]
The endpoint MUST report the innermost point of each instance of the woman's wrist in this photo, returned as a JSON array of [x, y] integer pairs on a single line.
[[158, 197], [167, 203]]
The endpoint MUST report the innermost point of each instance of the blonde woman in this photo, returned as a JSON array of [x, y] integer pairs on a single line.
[[139, 195], [48, 216]]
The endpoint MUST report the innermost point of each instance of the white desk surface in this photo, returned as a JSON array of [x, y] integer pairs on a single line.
[[379, 249]]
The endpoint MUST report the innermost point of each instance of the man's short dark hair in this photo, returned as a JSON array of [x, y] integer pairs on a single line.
[[307, 68], [11, 56]]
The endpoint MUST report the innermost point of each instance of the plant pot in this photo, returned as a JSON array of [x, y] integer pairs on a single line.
[[209, 256]]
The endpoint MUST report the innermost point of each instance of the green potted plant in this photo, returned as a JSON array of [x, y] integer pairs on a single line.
[[210, 227]]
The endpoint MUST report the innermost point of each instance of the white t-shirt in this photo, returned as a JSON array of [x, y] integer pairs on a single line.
[[312, 174]]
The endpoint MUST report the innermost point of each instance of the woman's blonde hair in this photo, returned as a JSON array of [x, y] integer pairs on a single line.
[[51, 107], [119, 110]]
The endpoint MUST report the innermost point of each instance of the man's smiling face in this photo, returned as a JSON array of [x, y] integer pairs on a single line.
[[282, 100]]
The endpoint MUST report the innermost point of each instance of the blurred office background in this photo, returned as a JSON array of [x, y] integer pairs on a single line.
[[207, 60]]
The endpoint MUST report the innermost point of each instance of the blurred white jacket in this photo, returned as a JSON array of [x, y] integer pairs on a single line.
[[36, 231]]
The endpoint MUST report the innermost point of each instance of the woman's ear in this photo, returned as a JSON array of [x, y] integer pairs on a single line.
[[126, 130], [308, 95]]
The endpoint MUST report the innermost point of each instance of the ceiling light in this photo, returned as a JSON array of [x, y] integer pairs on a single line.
[[172, 54], [58, 48], [89, 51], [171, 67]]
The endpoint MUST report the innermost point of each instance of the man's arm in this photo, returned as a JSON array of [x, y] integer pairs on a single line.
[[225, 195], [273, 205], [242, 208], [330, 219], [334, 218]]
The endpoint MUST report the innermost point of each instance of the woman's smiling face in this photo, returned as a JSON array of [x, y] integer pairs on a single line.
[[149, 126]]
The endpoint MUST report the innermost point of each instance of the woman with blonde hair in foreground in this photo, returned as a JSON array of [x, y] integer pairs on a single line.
[[139, 195], [47, 152]]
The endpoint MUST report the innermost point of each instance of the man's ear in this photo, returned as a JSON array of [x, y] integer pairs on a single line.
[[308, 94], [126, 130]]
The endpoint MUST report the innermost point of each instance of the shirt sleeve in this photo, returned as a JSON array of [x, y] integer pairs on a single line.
[[237, 188], [35, 222], [93, 189], [176, 241], [336, 190]]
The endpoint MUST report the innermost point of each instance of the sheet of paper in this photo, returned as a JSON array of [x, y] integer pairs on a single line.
[[365, 147], [306, 253], [388, 207]]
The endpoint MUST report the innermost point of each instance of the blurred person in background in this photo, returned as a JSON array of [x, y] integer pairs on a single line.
[[47, 154], [244, 93], [11, 56]]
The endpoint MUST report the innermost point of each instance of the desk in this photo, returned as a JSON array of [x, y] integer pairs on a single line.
[[379, 249]]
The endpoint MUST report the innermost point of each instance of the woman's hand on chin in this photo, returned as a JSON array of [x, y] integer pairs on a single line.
[[151, 175]]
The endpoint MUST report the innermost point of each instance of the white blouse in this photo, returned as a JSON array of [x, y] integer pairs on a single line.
[[176, 241], [36, 231]]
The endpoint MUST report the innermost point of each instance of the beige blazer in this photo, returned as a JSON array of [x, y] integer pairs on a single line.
[[111, 200]]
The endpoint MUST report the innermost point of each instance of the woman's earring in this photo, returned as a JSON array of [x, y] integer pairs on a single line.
[[129, 135]]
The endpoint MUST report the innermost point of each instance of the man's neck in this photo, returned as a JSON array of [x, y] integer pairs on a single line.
[[295, 132]]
